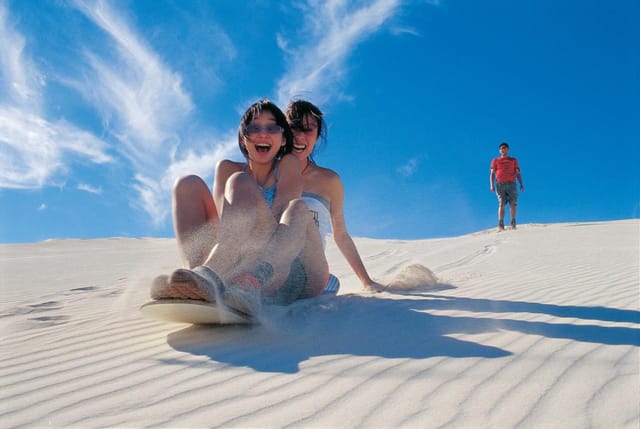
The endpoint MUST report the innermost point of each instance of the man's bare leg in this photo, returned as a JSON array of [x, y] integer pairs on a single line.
[[512, 210], [500, 217]]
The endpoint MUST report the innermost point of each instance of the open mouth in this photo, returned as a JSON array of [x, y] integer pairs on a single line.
[[299, 148], [263, 148]]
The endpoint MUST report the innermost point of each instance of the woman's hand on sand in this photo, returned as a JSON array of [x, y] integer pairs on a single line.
[[374, 287]]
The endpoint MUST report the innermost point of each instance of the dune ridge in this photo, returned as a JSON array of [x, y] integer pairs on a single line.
[[537, 327]]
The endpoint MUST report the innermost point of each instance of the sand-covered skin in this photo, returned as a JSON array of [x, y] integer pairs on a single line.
[[537, 327]]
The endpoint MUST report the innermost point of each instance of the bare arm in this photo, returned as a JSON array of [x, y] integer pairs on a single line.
[[519, 177], [224, 169], [343, 239], [492, 179]]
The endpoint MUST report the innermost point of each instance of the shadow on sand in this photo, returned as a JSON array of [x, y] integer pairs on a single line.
[[391, 328]]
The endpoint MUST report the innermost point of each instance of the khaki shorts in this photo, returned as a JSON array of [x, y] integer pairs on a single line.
[[507, 193]]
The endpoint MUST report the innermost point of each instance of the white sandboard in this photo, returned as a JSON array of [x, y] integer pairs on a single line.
[[193, 311], [208, 313]]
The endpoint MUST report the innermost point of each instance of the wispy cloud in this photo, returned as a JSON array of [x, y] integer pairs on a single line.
[[409, 168], [145, 108], [131, 85], [200, 163], [148, 117], [90, 189], [154, 193], [399, 31], [332, 30], [33, 148], [22, 81]]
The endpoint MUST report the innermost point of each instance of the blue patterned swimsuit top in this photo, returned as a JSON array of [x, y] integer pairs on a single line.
[[269, 193]]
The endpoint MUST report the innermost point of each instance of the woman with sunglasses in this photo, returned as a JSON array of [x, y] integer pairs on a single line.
[[322, 188], [253, 240]]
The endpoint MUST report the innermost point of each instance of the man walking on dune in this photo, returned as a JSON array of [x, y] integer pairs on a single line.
[[505, 170]]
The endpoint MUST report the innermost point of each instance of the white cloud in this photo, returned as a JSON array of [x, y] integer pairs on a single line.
[[145, 107], [155, 193], [20, 78], [90, 189], [34, 150], [42, 207], [145, 110], [399, 31], [132, 87], [409, 168], [201, 164], [333, 30]]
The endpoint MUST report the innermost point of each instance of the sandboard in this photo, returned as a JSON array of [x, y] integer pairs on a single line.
[[208, 313], [194, 312]]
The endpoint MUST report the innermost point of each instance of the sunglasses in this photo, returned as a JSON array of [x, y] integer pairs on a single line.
[[299, 128], [259, 129]]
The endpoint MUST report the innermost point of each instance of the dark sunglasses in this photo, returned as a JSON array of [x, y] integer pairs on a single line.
[[298, 127], [259, 129]]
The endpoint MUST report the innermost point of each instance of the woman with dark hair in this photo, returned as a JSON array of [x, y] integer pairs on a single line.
[[253, 240], [322, 188]]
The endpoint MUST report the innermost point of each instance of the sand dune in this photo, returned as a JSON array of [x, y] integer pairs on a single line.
[[538, 327]]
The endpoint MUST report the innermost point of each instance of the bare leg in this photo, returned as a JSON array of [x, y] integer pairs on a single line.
[[195, 219], [246, 226], [242, 232], [500, 215], [315, 262], [295, 237], [512, 210], [247, 235]]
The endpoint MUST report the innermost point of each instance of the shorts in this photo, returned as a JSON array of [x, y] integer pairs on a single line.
[[292, 288], [507, 193]]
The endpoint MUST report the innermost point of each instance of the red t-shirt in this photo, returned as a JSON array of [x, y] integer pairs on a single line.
[[505, 168]]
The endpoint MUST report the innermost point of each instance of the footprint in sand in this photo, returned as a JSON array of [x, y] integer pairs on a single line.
[[44, 306], [81, 290], [45, 321], [32, 308], [104, 292], [473, 257]]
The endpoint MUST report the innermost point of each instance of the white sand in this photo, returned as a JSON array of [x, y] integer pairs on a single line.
[[533, 328]]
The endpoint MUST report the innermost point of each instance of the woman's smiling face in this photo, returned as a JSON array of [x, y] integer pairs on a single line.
[[305, 136], [263, 137]]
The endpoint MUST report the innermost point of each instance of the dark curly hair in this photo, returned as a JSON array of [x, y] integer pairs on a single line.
[[298, 109], [254, 110]]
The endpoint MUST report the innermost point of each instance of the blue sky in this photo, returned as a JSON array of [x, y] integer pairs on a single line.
[[103, 104]]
